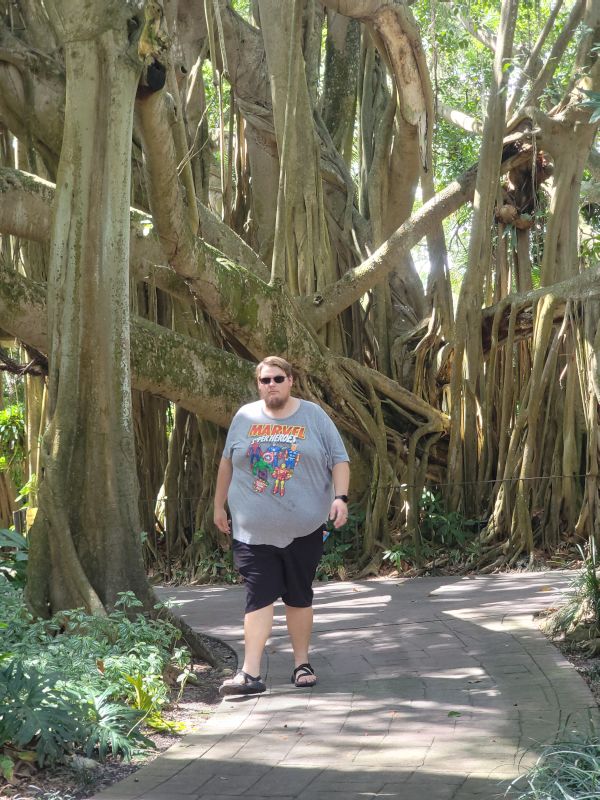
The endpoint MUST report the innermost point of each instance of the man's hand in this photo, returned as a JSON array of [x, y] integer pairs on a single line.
[[221, 520], [338, 513]]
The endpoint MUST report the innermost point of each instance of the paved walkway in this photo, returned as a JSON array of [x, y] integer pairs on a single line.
[[435, 689]]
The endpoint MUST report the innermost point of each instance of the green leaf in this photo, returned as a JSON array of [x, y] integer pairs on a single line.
[[12, 539], [454, 714], [7, 767]]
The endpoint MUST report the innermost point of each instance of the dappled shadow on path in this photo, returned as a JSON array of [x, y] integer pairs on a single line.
[[233, 776], [441, 687]]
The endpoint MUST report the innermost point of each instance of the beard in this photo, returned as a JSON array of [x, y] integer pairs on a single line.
[[275, 401]]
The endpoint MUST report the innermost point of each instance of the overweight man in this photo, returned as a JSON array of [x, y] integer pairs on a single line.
[[284, 471]]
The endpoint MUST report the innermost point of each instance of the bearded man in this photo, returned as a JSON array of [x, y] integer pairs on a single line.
[[278, 535]]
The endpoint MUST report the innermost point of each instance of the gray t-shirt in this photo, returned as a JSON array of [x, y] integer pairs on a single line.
[[281, 487]]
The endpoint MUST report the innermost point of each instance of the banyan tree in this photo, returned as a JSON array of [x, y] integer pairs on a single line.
[[399, 197]]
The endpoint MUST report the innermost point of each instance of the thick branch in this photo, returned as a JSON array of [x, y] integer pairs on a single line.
[[533, 65], [26, 208], [205, 380], [262, 317], [332, 300], [166, 201], [483, 35], [584, 286], [460, 119], [32, 96], [164, 190]]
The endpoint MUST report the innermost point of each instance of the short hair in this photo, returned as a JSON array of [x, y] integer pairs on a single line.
[[274, 361]]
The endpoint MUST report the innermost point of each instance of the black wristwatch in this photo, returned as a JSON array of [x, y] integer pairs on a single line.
[[343, 497]]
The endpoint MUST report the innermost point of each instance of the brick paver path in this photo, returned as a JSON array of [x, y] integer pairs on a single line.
[[429, 689]]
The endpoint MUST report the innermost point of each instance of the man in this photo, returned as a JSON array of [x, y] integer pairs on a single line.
[[278, 520]]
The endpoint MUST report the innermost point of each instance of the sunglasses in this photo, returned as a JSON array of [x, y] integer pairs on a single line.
[[275, 379]]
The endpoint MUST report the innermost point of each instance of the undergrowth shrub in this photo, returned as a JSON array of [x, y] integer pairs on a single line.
[[447, 538], [582, 605], [12, 442], [564, 771], [342, 547], [14, 554], [81, 683]]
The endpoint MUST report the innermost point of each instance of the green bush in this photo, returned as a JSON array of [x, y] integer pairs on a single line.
[[215, 568], [12, 442], [342, 547], [444, 529], [111, 728], [34, 710], [564, 771], [14, 553], [75, 682], [580, 614]]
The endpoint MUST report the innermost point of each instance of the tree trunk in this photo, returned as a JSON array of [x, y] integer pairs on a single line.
[[84, 553]]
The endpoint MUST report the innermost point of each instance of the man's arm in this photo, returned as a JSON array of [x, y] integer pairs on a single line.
[[223, 482], [338, 513]]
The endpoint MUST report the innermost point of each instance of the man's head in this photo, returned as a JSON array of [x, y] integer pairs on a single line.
[[274, 379]]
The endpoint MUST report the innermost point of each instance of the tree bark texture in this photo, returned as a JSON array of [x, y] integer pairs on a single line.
[[93, 544]]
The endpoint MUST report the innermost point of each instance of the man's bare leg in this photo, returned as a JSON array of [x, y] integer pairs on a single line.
[[299, 625], [257, 629]]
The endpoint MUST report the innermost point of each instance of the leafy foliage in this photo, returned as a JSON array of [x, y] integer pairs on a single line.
[[342, 547], [12, 442], [216, 567], [112, 727], [446, 529], [66, 683], [583, 601], [13, 556], [149, 697], [592, 102], [34, 709], [564, 771], [444, 534]]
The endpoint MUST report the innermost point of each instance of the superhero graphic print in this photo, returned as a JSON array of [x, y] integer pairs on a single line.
[[273, 454]]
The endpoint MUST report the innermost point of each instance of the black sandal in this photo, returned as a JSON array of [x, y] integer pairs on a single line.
[[303, 671], [242, 683]]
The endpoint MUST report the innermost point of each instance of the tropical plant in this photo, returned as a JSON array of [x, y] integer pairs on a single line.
[[568, 770], [402, 555], [578, 618], [216, 567], [12, 442], [36, 710], [148, 698], [444, 529], [112, 728], [84, 683], [14, 549], [342, 547]]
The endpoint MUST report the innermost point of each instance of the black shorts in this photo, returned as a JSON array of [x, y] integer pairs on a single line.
[[271, 572]]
